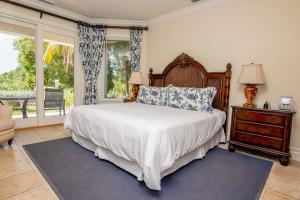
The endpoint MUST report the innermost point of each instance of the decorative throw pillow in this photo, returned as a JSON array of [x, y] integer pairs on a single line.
[[199, 99], [152, 95]]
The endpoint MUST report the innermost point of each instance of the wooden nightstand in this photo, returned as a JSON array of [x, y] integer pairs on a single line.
[[262, 130]]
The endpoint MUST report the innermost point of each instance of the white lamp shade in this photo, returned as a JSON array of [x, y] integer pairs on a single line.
[[136, 78], [252, 74]]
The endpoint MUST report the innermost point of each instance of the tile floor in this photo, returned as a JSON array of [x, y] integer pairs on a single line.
[[20, 179]]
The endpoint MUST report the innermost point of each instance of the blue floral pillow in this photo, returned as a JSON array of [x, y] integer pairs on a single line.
[[199, 99], [152, 95]]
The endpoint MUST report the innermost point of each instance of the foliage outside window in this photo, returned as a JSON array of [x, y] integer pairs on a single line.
[[21, 80], [118, 69], [18, 80]]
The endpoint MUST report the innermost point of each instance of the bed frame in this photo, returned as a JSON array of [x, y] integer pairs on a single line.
[[184, 71]]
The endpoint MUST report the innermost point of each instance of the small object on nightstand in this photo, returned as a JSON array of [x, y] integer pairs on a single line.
[[267, 105], [136, 79], [267, 131], [286, 103], [251, 76]]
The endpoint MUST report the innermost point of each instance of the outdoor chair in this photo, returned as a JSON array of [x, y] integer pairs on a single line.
[[54, 100]]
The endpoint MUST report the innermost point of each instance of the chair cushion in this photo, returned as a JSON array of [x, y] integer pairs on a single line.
[[5, 112], [6, 124]]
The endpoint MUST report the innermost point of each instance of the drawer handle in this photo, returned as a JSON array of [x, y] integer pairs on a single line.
[[246, 117], [272, 130], [257, 128], [273, 119], [244, 127], [270, 143]]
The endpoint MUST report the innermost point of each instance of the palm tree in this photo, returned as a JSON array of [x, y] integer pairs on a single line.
[[67, 51], [59, 64]]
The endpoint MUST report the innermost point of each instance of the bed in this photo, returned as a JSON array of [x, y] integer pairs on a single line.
[[150, 141]]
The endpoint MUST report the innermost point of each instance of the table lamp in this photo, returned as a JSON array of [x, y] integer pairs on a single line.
[[135, 80], [251, 76]]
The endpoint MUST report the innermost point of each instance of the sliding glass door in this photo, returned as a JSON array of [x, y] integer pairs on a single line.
[[18, 71], [36, 73]]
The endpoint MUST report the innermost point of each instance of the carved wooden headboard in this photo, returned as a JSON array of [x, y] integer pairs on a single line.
[[184, 71]]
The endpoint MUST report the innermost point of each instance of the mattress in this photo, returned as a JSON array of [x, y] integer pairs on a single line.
[[148, 139]]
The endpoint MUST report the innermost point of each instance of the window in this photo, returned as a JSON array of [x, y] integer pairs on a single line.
[[17, 69], [58, 74], [118, 69]]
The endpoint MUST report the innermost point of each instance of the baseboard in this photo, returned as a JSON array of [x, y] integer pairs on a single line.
[[30, 127], [295, 154]]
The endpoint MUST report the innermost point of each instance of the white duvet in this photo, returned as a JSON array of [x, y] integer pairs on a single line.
[[152, 136]]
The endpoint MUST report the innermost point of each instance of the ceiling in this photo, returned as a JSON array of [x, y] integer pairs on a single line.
[[122, 9]]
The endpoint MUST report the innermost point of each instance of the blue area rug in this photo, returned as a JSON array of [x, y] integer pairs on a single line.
[[75, 174]]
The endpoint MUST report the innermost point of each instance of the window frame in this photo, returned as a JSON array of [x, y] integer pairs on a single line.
[[102, 79]]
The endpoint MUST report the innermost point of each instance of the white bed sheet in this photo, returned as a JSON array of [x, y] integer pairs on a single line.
[[154, 137]]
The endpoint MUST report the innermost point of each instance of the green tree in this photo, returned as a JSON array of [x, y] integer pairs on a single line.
[[59, 65], [119, 69], [25, 72], [13, 80], [23, 77]]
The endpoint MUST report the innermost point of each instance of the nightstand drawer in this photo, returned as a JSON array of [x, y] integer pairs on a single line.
[[267, 130], [259, 140], [260, 117]]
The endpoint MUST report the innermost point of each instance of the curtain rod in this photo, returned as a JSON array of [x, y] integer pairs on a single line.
[[42, 12]]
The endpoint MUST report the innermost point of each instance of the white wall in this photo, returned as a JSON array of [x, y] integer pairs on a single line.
[[239, 31]]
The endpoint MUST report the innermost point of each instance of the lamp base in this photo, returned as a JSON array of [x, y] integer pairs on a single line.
[[135, 91], [250, 92], [252, 105]]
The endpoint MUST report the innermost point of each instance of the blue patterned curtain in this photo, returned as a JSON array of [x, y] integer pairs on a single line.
[[135, 48], [91, 46]]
